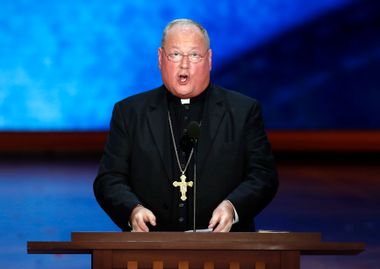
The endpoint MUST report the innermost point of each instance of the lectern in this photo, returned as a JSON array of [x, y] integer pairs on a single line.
[[195, 250]]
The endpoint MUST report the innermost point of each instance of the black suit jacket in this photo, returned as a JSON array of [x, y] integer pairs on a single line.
[[234, 159]]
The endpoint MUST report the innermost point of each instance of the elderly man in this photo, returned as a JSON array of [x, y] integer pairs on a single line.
[[149, 176]]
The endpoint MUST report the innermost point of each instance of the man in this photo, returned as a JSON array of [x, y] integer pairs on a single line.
[[147, 179]]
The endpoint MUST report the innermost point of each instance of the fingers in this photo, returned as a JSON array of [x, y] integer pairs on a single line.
[[222, 223], [150, 217], [221, 220], [214, 220], [140, 217], [222, 217]]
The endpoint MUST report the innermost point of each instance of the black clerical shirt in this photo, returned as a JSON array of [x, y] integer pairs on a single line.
[[181, 115]]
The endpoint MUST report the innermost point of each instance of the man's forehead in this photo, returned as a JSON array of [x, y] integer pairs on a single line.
[[178, 30], [184, 33]]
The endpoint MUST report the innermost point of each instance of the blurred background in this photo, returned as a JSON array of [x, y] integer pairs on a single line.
[[313, 65]]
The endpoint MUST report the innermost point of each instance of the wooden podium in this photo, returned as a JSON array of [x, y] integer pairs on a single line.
[[195, 250]]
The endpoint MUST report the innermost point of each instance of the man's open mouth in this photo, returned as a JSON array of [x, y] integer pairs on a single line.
[[183, 78]]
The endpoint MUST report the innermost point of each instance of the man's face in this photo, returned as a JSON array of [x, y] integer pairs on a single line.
[[185, 79]]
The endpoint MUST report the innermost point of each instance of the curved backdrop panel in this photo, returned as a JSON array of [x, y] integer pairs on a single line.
[[63, 64]]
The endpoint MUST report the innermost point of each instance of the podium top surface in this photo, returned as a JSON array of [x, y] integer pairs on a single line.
[[87, 242], [172, 237]]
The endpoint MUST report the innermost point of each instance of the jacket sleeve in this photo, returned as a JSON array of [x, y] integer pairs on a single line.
[[111, 186], [261, 180]]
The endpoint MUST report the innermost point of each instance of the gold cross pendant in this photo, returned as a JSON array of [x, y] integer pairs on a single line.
[[183, 186]]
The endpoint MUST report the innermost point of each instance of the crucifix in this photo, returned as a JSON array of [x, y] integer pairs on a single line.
[[183, 186]]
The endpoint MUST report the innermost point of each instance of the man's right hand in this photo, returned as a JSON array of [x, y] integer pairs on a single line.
[[139, 217]]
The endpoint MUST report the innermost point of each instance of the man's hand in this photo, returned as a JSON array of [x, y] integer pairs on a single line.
[[139, 217], [223, 217]]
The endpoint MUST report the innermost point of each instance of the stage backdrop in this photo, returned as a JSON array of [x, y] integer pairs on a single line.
[[312, 64]]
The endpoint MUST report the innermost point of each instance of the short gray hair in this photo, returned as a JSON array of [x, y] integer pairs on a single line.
[[185, 22]]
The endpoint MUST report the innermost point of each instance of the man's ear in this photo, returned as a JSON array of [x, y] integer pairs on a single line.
[[209, 57], [160, 58]]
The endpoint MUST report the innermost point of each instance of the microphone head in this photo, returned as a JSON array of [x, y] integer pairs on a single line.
[[190, 137], [193, 130]]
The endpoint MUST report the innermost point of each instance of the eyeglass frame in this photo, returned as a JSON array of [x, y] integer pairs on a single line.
[[201, 57]]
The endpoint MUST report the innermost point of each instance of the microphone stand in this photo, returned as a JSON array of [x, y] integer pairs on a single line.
[[193, 132], [195, 185]]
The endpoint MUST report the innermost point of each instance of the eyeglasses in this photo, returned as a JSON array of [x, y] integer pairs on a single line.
[[176, 56]]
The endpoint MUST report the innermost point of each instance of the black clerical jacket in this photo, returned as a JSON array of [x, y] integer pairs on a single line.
[[234, 160]]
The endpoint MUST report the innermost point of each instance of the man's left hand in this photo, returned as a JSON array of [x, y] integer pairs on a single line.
[[222, 217]]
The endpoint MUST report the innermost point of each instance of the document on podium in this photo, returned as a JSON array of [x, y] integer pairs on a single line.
[[272, 231], [207, 230]]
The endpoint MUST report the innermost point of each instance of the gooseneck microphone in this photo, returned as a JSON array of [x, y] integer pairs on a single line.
[[193, 131], [193, 134]]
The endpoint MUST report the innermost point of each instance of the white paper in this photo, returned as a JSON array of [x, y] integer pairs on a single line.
[[208, 230]]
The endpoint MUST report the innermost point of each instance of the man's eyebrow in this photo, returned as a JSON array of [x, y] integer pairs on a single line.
[[176, 47]]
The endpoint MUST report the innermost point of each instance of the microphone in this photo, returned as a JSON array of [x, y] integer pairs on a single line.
[[190, 137], [193, 134], [193, 131]]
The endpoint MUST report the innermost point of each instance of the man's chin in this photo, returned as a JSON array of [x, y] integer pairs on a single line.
[[183, 91]]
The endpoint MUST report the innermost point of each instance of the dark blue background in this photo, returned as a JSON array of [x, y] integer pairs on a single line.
[[312, 64]]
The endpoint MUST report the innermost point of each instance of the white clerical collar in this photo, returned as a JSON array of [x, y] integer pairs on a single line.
[[185, 101]]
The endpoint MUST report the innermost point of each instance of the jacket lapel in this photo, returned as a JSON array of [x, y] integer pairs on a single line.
[[213, 114], [158, 124]]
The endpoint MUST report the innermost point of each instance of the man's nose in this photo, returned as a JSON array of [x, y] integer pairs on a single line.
[[185, 62]]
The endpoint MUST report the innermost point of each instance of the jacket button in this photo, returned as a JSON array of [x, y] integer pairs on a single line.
[[181, 204], [181, 219]]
